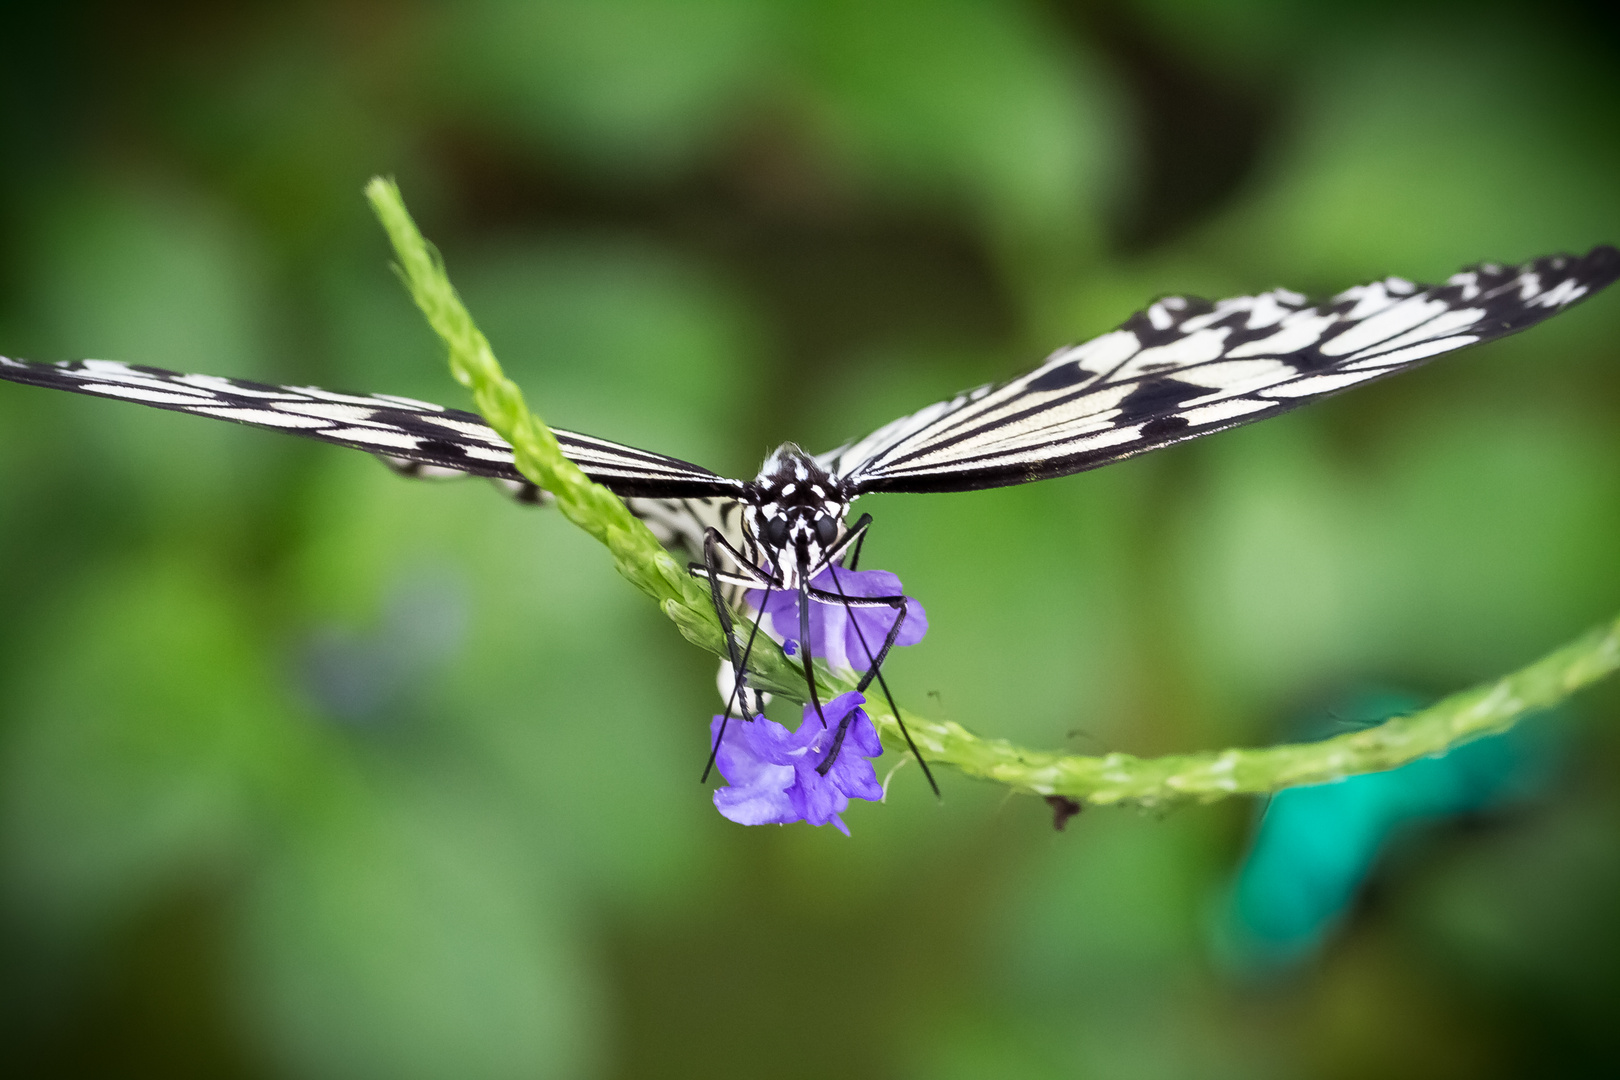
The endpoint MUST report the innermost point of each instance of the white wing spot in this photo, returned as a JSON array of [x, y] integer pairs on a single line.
[[410, 403], [1444, 325], [1565, 292], [1469, 282], [372, 436], [328, 395], [1319, 384], [219, 385], [1196, 348], [480, 432], [109, 367], [342, 414], [140, 393], [264, 416], [1236, 375], [1224, 410], [1299, 332], [1415, 352], [1098, 355], [1370, 300], [1383, 326], [488, 453], [1112, 437]]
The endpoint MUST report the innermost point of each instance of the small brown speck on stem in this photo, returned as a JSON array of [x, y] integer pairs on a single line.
[[1063, 808]]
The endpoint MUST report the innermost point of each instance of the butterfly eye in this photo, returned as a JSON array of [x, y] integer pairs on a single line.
[[826, 531], [776, 531]]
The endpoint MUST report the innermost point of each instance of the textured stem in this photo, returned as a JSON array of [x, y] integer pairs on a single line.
[[1112, 778], [1205, 777]]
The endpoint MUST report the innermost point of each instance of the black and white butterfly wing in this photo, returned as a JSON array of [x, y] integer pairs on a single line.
[[1186, 367], [680, 524], [416, 437]]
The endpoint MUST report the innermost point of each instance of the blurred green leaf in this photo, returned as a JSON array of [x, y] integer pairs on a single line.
[[1523, 918], [968, 103], [1301, 566], [151, 274], [626, 87], [1252, 39], [574, 315], [150, 742], [1123, 900], [1431, 148], [293, 128], [520, 703], [396, 934]]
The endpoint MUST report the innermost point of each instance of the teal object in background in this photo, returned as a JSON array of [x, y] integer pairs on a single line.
[[1315, 847]]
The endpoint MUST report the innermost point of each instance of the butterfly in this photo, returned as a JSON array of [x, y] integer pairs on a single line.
[[1181, 368]]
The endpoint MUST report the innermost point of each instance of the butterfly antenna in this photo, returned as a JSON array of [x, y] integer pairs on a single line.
[[738, 677], [884, 683]]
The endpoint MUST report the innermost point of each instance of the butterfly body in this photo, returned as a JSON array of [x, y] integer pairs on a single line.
[[794, 510]]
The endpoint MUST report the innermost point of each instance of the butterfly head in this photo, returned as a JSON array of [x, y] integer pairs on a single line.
[[796, 513]]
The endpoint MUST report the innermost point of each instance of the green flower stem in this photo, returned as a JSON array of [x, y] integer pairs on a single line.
[[1205, 777], [1111, 778]]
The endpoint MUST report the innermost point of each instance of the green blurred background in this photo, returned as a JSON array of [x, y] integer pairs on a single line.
[[309, 771]]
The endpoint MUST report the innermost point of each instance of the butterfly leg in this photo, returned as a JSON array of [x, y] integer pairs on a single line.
[[713, 542], [713, 545], [858, 533], [898, 603], [806, 652], [736, 587]]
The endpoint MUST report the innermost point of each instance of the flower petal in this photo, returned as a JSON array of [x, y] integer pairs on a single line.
[[749, 746], [852, 774], [845, 637], [863, 738], [842, 705], [766, 801], [775, 774], [821, 800]]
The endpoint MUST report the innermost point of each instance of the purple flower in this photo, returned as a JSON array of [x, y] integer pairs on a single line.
[[774, 774], [833, 633]]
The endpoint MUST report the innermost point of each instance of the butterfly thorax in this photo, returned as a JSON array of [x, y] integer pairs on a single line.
[[795, 511]]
